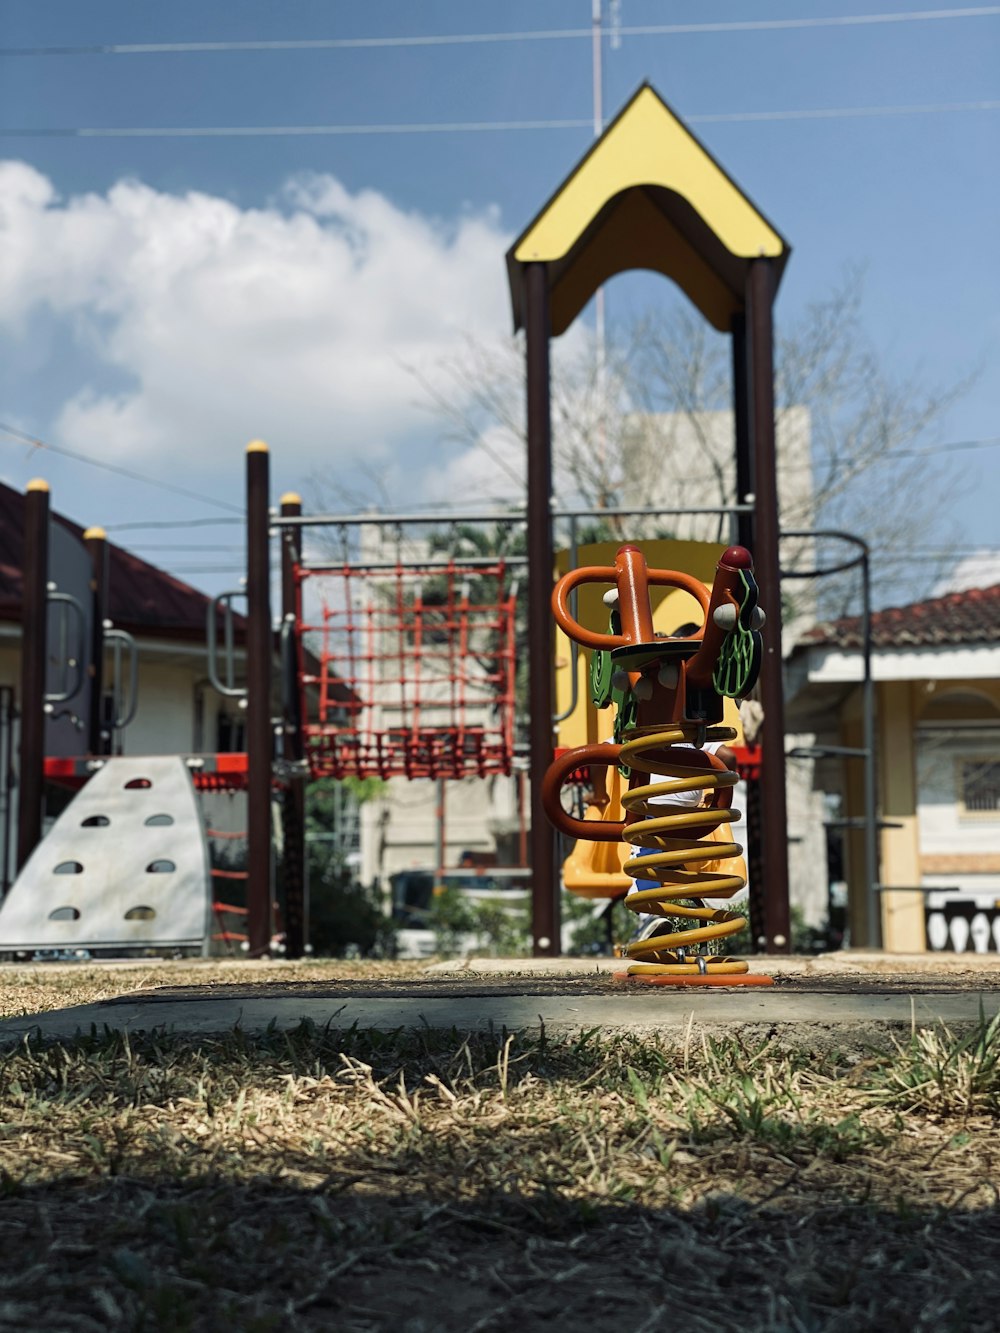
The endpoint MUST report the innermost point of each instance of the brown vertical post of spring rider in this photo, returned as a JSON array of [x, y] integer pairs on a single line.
[[259, 732], [34, 654], [294, 801], [545, 912]]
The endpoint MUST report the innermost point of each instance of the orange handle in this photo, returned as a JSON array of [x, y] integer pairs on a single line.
[[669, 578], [590, 830]]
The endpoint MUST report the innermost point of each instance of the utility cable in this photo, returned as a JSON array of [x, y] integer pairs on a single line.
[[488, 38], [471, 126], [35, 443]]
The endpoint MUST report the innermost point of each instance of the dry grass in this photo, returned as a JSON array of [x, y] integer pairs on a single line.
[[421, 1180], [36, 988]]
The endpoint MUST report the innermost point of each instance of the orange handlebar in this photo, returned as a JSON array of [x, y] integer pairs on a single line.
[[555, 775], [629, 597]]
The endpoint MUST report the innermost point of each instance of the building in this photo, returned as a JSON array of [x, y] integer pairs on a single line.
[[177, 710], [936, 668]]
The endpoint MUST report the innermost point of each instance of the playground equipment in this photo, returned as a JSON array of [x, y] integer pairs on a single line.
[[415, 673], [648, 195], [668, 693], [124, 867]]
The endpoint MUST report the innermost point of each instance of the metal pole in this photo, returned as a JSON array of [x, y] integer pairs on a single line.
[[294, 803], [34, 655], [600, 336], [440, 815], [7, 780], [873, 911], [741, 422], [760, 295], [544, 881], [874, 906], [96, 542], [260, 737]]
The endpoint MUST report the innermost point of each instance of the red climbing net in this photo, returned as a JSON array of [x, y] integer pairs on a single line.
[[407, 671]]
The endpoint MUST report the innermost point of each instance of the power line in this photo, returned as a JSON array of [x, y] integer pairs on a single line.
[[171, 523], [489, 38], [472, 126], [952, 448], [286, 131], [184, 548], [35, 443]]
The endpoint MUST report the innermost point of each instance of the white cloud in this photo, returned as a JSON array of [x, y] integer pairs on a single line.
[[296, 322]]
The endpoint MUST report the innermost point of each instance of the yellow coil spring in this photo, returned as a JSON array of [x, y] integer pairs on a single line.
[[676, 856]]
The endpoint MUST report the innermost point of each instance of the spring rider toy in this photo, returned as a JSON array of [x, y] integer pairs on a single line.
[[668, 699]]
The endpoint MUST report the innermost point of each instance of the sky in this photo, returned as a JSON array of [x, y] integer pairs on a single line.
[[165, 298]]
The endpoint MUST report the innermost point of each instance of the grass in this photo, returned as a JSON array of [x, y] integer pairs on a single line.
[[426, 1180], [37, 988]]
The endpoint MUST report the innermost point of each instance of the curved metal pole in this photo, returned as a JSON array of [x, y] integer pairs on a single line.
[[873, 914]]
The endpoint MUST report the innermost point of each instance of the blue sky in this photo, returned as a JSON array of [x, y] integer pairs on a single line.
[[163, 300]]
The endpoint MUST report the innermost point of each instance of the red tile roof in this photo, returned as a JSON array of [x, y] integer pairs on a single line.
[[141, 598], [972, 616]]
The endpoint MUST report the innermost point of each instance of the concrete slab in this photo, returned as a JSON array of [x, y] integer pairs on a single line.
[[842, 963], [640, 1010]]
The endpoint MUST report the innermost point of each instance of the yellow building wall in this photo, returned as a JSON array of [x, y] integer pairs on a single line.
[[903, 929], [899, 707], [672, 607]]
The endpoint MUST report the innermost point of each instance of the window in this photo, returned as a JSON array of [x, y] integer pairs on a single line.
[[979, 787]]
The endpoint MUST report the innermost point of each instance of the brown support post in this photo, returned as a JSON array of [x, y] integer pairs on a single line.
[[544, 882], [741, 422], [294, 803], [96, 542], [760, 297], [260, 736], [34, 656]]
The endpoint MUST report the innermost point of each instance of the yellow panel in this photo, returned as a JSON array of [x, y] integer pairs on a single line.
[[636, 234], [672, 608], [648, 145]]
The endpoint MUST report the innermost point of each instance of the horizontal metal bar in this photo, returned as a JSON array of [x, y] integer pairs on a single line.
[[929, 888], [411, 566], [827, 752], [859, 821], [279, 521]]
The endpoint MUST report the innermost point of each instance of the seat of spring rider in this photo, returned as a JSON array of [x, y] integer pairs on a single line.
[[635, 656]]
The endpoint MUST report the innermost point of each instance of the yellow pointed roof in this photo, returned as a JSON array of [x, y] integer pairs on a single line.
[[646, 195]]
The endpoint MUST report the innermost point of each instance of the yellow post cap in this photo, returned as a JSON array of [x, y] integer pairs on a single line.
[[257, 447], [291, 498], [95, 534], [37, 485]]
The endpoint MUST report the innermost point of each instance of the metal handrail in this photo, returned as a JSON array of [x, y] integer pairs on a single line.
[[63, 696], [121, 639], [223, 601]]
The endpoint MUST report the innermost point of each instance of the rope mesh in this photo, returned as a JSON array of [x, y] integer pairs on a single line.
[[415, 670]]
